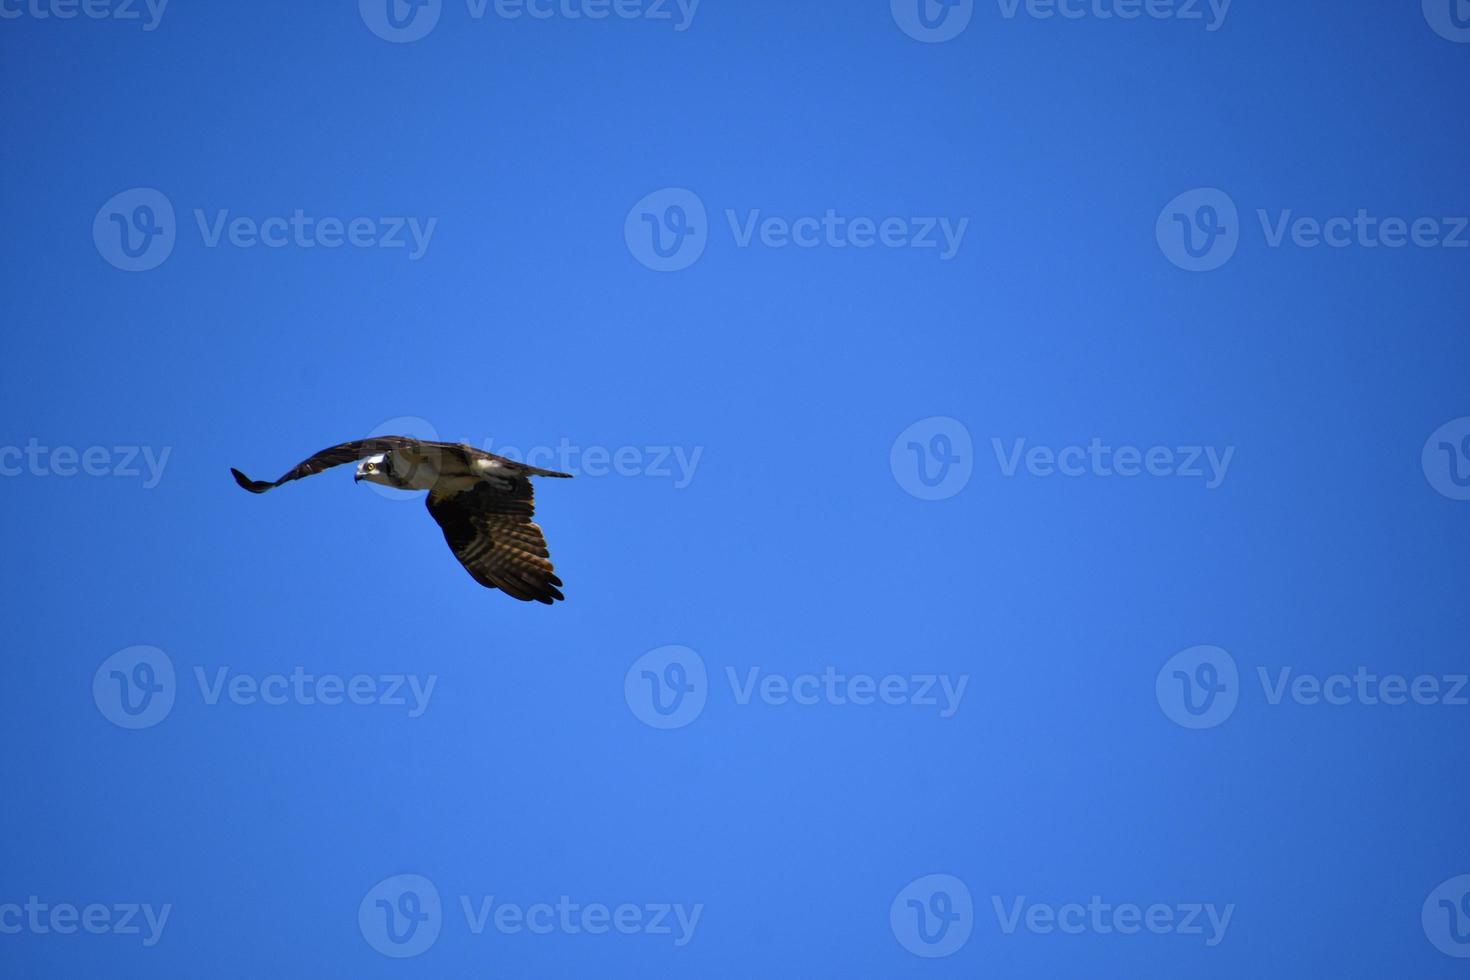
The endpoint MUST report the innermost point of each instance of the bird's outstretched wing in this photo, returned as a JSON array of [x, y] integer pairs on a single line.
[[490, 531], [347, 452]]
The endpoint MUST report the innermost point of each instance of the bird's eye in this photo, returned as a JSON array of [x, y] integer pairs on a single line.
[[369, 467]]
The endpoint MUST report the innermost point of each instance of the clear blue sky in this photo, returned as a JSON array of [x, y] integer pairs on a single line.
[[818, 462]]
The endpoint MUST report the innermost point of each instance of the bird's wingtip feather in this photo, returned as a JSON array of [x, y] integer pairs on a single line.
[[254, 486]]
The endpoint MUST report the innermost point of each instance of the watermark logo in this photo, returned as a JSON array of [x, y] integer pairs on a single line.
[[1199, 230], [401, 916], [932, 916], [135, 687], [1446, 459], [400, 21], [933, 458], [415, 428], [932, 21], [1450, 19], [667, 230], [135, 230], [667, 687], [1199, 687], [1446, 917]]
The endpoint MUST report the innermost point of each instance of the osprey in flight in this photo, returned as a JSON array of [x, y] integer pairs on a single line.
[[483, 503]]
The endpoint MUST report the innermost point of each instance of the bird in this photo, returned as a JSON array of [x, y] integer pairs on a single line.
[[482, 502]]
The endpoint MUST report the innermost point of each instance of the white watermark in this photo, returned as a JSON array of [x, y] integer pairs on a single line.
[[39, 460], [1446, 459], [938, 691], [669, 229], [934, 459], [674, 463], [405, 21], [301, 230], [1450, 19], [1445, 917], [1096, 917], [1200, 688], [1362, 686], [934, 916], [408, 691], [1200, 230], [1210, 13], [136, 230], [935, 21], [653, 461], [148, 13], [39, 918], [669, 686], [1208, 464], [137, 687], [403, 915]]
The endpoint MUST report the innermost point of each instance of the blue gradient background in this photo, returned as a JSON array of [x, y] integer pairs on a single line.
[[794, 548]]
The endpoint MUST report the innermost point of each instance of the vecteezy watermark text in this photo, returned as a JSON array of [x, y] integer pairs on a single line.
[[136, 230], [136, 688], [668, 687], [40, 918], [148, 12], [1098, 459], [404, 21], [934, 21], [669, 229], [35, 459], [831, 687], [301, 687], [934, 916], [1103, 918], [403, 915], [934, 458], [1200, 687], [659, 462], [672, 919], [1200, 230]]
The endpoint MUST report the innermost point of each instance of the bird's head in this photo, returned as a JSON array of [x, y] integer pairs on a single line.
[[376, 469]]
